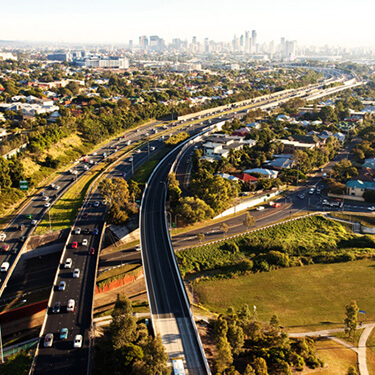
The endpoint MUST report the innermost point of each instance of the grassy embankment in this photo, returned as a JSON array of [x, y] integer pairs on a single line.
[[307, 290]]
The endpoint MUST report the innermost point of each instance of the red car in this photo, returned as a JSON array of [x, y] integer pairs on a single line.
[[85, 215], [5, 247], [92, 251], [74, 245]]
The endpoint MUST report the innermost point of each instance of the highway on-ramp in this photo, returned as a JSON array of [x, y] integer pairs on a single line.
[[168, 301]]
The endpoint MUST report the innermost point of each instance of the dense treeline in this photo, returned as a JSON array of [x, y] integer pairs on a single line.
[[126, 346], [246, 346]]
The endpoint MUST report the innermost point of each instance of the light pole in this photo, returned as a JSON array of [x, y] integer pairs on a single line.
[[49, 218], [1, 347]]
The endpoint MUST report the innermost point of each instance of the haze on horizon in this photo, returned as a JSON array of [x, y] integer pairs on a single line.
[[311, 22]]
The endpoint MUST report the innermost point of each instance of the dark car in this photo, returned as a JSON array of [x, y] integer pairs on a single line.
[[85, 215], [56, 308], [95, 231], [21, 226], [86, 231]]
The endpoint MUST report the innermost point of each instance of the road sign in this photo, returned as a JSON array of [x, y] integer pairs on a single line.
[[24, 185], [174, 225]]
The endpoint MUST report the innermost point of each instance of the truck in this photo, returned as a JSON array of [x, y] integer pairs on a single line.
[[178, 366]]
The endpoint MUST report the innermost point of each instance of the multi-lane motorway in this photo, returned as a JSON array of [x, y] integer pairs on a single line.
[[153, 240]]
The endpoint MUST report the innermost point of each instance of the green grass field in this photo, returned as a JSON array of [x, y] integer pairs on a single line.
[[63, 213], [304, 298]]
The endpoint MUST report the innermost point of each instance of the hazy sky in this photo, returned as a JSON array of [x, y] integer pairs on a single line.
[[318, 22]]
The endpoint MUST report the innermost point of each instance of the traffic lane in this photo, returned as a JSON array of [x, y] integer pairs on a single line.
[[119, 257], [236, 226], [33, 273], [164, 279]]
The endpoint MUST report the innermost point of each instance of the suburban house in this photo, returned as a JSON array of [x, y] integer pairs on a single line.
[[369, 163], [267, 173], [227, 176], [356, 188], [340, 137], [281, 163], [243, 132], [219, 145], [245, 177], [3, 133]]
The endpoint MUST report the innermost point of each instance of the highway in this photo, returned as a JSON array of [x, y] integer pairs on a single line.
[[167, 297]]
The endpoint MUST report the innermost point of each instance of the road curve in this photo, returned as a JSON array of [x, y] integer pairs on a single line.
[[168, 301]]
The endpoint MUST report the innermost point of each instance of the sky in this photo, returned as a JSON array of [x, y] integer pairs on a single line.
[[344, 23]]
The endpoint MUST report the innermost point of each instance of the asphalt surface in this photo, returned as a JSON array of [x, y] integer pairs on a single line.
[[164, 283]]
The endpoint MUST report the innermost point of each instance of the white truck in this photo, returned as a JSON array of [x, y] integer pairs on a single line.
[[4, 267], [3, 236]]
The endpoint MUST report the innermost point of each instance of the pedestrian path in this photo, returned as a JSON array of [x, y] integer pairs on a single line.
[[360, 349]]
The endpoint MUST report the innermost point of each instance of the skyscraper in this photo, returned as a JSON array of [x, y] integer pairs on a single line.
[[253, 40], [247, 41]]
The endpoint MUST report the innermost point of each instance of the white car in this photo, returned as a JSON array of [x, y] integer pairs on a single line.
[[372, 208], [48, 340], [76, 273], [77, 231], [68, 263], [47, 204], [45, 198], [84, 242], [260, 208], [70, 306], [62, 285], [77, 341]]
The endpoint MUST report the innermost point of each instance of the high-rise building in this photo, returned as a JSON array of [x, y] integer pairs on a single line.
[[131, 45], [143, 42], [247, 45], [253, 39]]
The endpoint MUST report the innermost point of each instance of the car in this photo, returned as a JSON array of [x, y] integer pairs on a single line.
[[96, 204], [62, 285], [95, 231], [64, 333], [95, 153], [56, 308], [86, 231], [86, 167], [74, 245], [138, 151], [318, 191], [85, 215], [45, 198], [22, 239], [52, 186], [77, 341], [3, 236], [68, 263], [138, 248], [152, 148], [301, 196], [48, 340], [57, 187], [92, 251], [260, 208], [70, 306], [33, 222], [77, 231], [43, 193], [5, 247], [29, 217], [76, 273], [311, 191], [84, 242], [47, 204], [21, 226], [372, 208]]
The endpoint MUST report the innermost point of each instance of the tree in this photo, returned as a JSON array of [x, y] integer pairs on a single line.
[[224, 356], [249, 220], [249, 370], [351, 319], [200, 237], [224, 228], [352, 371], [192, 210], [260, 366], [155, 358]]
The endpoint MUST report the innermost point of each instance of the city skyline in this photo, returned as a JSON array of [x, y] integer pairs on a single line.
[[310, 22]]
